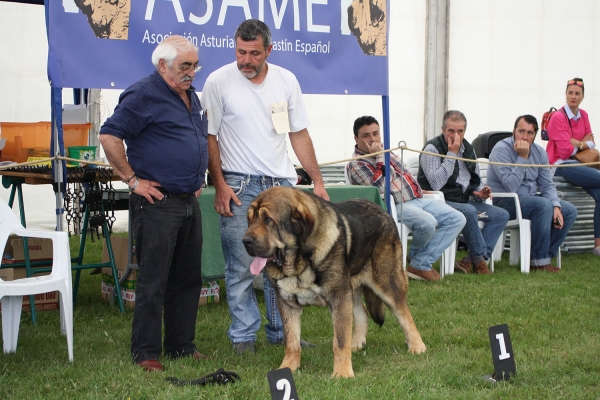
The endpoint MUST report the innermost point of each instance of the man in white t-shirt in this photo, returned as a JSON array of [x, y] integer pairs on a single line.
[[251, 106]]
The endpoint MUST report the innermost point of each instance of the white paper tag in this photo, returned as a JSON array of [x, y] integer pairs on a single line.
[[279, 115]]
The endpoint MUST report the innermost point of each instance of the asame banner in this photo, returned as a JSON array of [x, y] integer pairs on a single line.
[[333, 46]]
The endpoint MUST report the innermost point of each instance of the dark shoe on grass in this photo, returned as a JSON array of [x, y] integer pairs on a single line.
[[244, 347], [545, 268], [429, 276], [482, 268], [464, 267], [150, 365]]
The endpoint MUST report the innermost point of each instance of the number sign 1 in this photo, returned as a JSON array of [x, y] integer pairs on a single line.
[[281, 383], [502, 352]]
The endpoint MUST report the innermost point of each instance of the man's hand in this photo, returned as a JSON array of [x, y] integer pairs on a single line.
[[149, 190], [223, 196], [374, 147], [319, 191], [558, 220], [522, 148], [485, 193], [454, 144]]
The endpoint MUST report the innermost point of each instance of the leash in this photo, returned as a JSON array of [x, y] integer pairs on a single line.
[[220, 377]]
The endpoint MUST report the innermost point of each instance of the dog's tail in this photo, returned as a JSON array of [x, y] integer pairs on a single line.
[[375, 306]]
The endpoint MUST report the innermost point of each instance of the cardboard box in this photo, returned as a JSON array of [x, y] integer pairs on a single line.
[[39, 250], [119, 246], [209, 294]]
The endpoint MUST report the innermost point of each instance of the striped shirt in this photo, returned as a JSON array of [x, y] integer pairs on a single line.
[[438, 170], [370, 171]]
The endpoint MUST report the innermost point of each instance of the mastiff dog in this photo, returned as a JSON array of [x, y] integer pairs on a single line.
[[331, 254]]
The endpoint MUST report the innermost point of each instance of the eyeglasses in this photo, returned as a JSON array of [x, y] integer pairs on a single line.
[[186, 69], [574, 82]]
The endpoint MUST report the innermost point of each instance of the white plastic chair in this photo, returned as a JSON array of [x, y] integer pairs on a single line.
[[60, 279], [449, 255]]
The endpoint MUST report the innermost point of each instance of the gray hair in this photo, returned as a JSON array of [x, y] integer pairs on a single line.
[[251, 29], [453, 115], [170, 48]]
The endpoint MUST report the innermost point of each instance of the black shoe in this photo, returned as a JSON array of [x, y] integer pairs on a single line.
[[244, 347]]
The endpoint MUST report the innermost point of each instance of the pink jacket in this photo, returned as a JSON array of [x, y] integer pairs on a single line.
[[559, 146]]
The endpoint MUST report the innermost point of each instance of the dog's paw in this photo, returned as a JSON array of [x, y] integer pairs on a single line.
[[293, 365], [418, 349], [358, 344], [343, 374]]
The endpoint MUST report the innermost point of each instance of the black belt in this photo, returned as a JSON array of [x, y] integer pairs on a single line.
[[163, 191]]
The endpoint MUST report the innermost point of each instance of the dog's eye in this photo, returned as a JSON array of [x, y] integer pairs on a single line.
[[267, 219]]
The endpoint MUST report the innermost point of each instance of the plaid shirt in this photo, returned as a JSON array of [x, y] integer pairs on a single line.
[[370, 171]]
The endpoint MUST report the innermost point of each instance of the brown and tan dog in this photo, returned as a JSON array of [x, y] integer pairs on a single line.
[[321, 253]]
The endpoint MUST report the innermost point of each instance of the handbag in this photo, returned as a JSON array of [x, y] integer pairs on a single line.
[[588, 156]]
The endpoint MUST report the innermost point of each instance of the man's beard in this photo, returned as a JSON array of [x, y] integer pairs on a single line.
[[250, 75]]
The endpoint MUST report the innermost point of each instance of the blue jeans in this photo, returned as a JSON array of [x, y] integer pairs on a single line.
[[589, 180], [168, 248], [545, 238], [481, 242], [241, 299], [422, 216]]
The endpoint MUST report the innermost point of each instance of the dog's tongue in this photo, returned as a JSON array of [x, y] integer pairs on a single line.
[[257, 265]]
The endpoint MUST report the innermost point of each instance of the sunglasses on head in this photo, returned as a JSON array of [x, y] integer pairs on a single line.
[[574, 82]]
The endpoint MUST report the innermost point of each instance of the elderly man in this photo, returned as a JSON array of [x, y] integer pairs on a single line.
[[419, 214], [161, 121], [463, 190], [252, 105], [551, 218]]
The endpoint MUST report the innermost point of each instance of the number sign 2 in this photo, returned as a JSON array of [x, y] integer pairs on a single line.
[[502, 352], [281, 383]]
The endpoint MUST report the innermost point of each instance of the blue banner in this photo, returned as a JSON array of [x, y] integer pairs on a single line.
[[333, 46]]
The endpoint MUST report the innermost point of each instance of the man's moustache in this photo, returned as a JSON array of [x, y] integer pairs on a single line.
[[186, 78]]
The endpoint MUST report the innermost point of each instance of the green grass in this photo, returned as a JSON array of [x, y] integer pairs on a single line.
[[553, 321]]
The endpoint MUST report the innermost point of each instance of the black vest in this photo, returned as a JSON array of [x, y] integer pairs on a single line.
[[452, 190]]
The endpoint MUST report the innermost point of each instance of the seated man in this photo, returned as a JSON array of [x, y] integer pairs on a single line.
[[463, 190], [551, 218], [419, 214]]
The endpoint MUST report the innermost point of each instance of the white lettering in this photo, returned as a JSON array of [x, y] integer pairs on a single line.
[[233, 3], [345, 4], [176, 7], [278, 16], [503, 354], [296, 16], [309, 17], [206, 17]]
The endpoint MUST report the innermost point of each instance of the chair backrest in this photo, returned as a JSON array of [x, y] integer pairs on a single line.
[[8, 222], [412, 163], [346, 176], [483, 168]]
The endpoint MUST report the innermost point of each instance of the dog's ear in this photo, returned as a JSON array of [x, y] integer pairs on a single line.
[[303, 222], [251, 212]]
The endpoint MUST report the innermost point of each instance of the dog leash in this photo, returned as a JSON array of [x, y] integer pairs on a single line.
[[220, 377]]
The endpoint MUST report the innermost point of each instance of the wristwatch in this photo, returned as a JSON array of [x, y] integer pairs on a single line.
[[581, 146]]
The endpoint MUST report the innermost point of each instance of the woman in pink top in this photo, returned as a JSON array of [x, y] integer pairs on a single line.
[[570, 131]]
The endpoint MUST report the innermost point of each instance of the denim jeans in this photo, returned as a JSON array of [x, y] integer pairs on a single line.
[[589, 180], [241, 299], [481, 242], [545, 238], [422, 216], [168, 245]]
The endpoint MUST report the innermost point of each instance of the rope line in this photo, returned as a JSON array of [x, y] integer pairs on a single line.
[[102, 164]]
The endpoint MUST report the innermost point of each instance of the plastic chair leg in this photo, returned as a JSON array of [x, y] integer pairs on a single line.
[[497, 255], [11, 319], [525, 239], [66, 319]]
